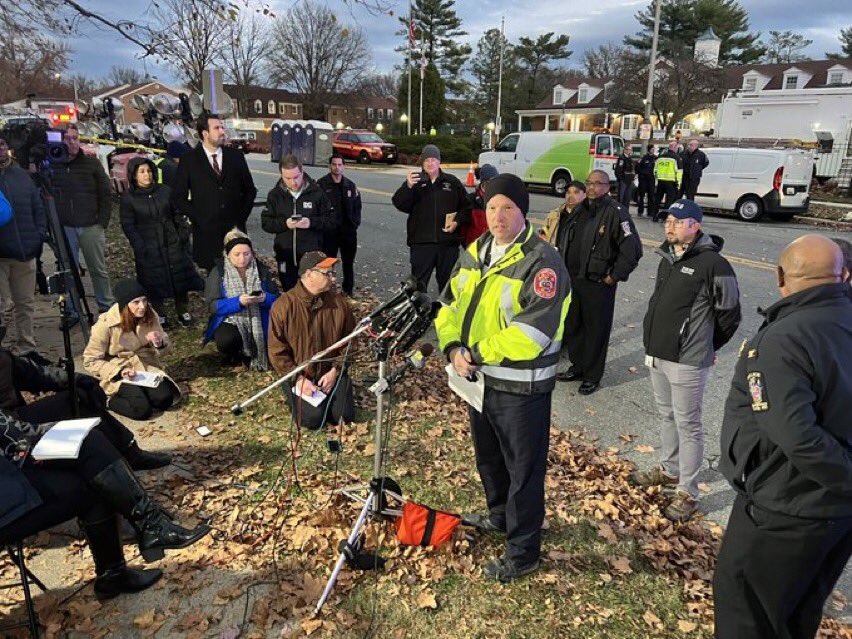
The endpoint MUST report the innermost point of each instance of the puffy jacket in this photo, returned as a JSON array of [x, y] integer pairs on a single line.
[[609, 244], [427, 204], [695, 307], [159, 237], [17, 495], [301, 325], [625, 169], [786, 435], [669, 167], [22, 237], [82, 192], [19, 374], [478, 223], [694, 164], [290, 245], [220, 306], [350, 215], [646, 165], [512, 316]]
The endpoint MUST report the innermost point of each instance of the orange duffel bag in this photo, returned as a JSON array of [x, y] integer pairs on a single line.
[[423, 526]]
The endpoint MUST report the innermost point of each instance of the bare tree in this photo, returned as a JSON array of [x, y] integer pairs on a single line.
[[380, 85], [603, 61], [188, 36], [30, 62], [124, 75], [243, 56], [316, 56]]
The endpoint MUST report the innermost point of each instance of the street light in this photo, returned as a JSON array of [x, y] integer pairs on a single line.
[[338, 126], [379, 127], [490, 126], [403, 118]]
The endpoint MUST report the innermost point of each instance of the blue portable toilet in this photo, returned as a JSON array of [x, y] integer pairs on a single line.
[[298, 137], [310, 138], [275, 142]]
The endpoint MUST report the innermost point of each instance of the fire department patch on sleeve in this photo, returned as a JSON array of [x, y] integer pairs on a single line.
[[757, 392], [544, 283], [625, 226]]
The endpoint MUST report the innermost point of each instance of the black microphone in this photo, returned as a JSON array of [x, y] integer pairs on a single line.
[[416, 359], [406, 289]]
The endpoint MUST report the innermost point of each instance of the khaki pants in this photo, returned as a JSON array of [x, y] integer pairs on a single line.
[[17, 296]]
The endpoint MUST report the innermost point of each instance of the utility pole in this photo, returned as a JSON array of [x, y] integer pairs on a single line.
[[498, 121], [649, 93], [422, 81], [410, 49]]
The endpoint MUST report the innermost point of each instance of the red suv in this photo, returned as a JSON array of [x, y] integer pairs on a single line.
[[364, 147]]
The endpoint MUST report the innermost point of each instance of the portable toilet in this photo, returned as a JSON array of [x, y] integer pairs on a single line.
[[308, 153], [323, 132]]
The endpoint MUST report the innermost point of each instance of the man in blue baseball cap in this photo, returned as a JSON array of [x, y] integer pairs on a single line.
[[693, 312]]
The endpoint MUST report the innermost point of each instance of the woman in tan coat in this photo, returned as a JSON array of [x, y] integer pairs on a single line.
[[124, 353]]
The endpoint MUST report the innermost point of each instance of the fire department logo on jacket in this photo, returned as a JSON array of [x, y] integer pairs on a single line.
[[544, 283]]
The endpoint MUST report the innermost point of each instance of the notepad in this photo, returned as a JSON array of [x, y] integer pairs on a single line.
[[64, 439], [314, 400], [143, 378], [471, 392]]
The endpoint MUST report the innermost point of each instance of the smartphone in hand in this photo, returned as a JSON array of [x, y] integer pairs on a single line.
[[257, 293]]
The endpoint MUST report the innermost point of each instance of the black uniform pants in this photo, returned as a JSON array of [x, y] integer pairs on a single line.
[[588, 326], [288, 273], [510, 440], [646, 191], [140, 402], [625, 191], [347, 245], [426, 258], [666, 195], [315, 417], [228, 341], [775, 572], [690, 188], [181, 303]]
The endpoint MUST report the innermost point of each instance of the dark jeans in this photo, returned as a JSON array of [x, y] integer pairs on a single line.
[[510, 440], [775, 572], [645, 193], [690, 188], [315, 417], [588, 327], [426, 258], [347, 245], [228, 340], [666, 195], [140, 402], [625, 191], [181, 303]]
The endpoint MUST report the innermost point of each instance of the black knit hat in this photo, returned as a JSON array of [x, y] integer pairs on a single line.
[[125, 291], [512, 187]]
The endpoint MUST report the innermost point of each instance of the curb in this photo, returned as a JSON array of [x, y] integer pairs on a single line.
[[820, 221]]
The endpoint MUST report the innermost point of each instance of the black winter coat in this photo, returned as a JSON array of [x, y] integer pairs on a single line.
[[17, 496], [22, 237], [786, 438], [289, 244], [349, 217], [694, 165], [625, 169], [217, 204], [427, 205], [645, 167], [82, 191], [159, 237]]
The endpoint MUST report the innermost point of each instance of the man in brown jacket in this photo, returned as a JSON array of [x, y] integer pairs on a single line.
[[303, 321], [574, 194]]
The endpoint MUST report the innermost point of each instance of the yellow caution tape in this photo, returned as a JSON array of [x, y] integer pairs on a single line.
[[123, 145]]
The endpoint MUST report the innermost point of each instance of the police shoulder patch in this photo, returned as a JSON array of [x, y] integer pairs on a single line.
[[757, 391], [544, 283], [625, 226]]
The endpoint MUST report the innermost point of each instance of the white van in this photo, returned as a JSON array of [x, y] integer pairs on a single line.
[[752, 182], [554, 158]]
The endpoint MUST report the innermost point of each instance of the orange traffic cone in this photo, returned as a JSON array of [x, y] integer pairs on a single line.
[[471, 178]]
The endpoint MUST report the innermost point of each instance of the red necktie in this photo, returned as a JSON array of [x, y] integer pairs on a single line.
[[216, 169]]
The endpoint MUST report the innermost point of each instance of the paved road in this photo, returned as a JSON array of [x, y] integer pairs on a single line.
[[624, 405]]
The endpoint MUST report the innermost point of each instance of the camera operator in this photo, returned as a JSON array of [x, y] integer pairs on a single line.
[[20, 244], [84, 204], [25, 374]]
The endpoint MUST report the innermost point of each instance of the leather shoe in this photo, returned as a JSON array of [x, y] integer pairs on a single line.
[[568, 376], [124, 580], [505, 570], [587, 388], [145, 459], [483, 522]]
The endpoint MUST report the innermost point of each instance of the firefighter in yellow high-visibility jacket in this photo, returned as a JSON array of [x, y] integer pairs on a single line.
[[668, 169], [502, 316]]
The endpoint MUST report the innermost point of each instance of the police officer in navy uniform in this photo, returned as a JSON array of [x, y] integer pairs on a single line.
[[787, 451], [345, 198]]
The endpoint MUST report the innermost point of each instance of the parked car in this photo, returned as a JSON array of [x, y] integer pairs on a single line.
[[554, 158], [754, 182], [364, 147]]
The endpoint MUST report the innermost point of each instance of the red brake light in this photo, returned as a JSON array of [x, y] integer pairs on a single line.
[[70, 110], [592, 147], [776, 180], [55, 117]]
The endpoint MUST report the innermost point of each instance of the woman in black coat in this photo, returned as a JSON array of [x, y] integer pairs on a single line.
[[160, 240]]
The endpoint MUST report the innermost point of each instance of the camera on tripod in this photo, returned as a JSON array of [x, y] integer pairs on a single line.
[[35, 142]]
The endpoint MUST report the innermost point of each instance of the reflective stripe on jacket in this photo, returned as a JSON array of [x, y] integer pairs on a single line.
[[668, 168], [511, 316]]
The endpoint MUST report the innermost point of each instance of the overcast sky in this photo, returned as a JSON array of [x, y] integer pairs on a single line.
[[588, 23]]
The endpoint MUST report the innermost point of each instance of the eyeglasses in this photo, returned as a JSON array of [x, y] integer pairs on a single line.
[[597, 183], [329, 274], [675, 222]]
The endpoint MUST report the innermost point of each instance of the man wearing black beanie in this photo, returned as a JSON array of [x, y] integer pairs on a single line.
[[502, 317]]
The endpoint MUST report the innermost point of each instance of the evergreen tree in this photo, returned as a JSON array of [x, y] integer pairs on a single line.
[[785, 47], [682, 21], [845, 38], [485, 68], [439, 32], [534, 56], [434, 98]]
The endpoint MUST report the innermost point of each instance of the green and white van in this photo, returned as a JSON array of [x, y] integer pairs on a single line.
[[554, 158]]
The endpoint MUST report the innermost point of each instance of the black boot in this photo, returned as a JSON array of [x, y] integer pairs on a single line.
[[155, 531], [113, 576], [145, 459]]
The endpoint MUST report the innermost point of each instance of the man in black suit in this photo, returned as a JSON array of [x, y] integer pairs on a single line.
[[213, 187]]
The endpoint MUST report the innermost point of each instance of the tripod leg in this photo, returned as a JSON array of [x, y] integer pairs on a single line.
[[353, 537]]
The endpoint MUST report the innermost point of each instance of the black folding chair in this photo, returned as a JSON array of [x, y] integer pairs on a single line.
[[16, 552]]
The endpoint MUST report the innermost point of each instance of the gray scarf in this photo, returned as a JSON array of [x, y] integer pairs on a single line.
[[248, 321]]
